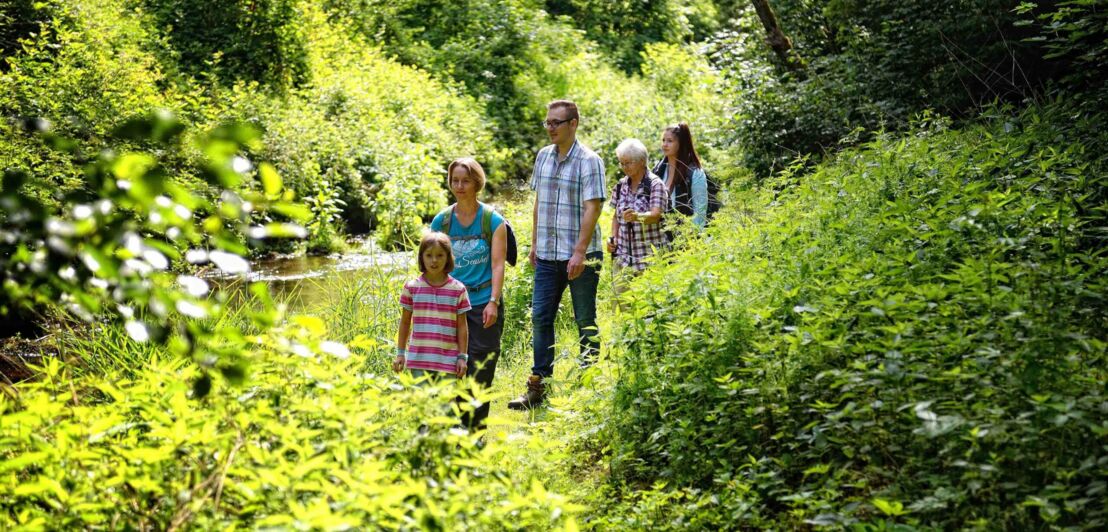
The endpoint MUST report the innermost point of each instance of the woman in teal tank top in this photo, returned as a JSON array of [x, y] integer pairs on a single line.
[[479, 239]]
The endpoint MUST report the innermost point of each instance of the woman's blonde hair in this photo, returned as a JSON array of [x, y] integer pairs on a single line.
[[435, 238], [473, 170]]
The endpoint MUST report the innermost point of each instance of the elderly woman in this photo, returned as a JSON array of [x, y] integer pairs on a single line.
[[478, 238], [638, 199]]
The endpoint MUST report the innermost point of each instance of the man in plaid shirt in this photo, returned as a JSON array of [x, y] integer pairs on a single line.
[[568, 180]]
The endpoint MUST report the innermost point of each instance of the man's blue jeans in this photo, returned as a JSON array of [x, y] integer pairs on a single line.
[[550, 283]]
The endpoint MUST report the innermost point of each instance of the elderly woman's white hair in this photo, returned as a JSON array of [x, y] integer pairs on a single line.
[[633, 149]]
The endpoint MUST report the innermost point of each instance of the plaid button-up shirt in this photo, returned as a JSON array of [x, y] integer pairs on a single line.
[[561, 190], [635, 240]]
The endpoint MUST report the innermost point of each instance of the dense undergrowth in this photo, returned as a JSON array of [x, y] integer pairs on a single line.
[[909, 334], [319, 439], [912, 334]]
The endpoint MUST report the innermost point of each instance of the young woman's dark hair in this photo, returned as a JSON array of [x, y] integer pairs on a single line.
[[687, 158]]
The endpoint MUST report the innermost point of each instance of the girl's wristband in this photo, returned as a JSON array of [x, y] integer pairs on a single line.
[[399, 352], [463, 357]]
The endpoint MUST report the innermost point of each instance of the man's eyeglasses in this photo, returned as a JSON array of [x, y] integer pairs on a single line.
[[553, 124]]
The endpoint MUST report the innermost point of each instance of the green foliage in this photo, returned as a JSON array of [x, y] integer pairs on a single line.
[[326, 207], [869, 65], [64, 68], [949, 56], [358, 125], [1073, 33], [136, 433], [623, 29], [19, 19], [377, 132], [107, 252], [492, 49], [86, 70], [514, 59], [319, 436], [313, 442], [912, 334], [236, 40]]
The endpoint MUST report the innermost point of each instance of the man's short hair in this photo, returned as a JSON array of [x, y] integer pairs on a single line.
[[569, 106], [633, 149]]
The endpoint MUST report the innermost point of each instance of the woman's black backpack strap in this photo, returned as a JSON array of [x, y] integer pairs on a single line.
[[511, 251]]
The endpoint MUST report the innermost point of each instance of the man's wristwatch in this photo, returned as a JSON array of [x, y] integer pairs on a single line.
[[493, 300]]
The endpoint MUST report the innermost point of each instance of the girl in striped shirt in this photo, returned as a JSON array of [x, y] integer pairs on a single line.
[[433, 335]]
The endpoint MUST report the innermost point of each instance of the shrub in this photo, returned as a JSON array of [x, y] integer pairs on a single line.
[[911, 334], [870, 65], [357, 122], [1073, 34], [164, 434], [495, 51], [84, 69], [312, 442], [19, 19], [107, 253], [624, 30], [237, 40], [378, 132]]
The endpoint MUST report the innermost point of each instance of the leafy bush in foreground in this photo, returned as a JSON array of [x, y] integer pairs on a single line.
[[313, 442], [109, 253], [148, 436], [911, 334]]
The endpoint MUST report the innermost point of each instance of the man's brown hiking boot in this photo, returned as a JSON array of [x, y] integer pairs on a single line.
[[534, 396]]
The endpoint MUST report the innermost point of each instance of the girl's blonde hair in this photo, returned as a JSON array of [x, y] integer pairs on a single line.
[[435, 238], [473, 170]]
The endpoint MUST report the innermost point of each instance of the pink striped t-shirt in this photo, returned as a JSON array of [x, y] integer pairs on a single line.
[[433, 345]]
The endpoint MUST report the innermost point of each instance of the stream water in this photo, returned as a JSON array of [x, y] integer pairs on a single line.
[[302, 281]]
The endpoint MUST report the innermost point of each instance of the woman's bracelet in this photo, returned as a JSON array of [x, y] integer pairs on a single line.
[[463, 357], [399, 352]]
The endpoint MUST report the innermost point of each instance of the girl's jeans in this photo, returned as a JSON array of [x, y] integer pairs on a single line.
[[550, 283]]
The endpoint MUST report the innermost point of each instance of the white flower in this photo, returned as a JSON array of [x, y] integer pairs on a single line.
[[80, 212], [155, 258], [241, 164]]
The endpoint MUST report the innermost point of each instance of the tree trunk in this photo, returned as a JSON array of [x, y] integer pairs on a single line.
[[781, 44]]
